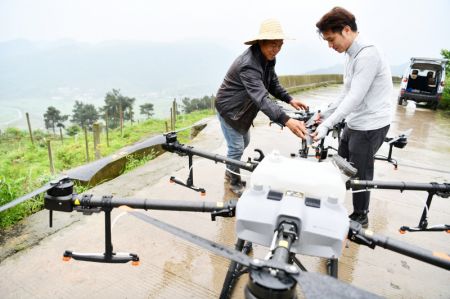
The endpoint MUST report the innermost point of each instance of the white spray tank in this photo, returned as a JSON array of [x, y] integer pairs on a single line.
[[300, 191]]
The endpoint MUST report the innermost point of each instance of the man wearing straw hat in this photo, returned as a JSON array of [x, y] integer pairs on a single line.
[[245, 91]]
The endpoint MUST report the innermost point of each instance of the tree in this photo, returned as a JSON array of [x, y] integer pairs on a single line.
[[147, 109], [84, 115], [190, 105], [445, 100], [73, 130], [53, 117], [446, 54], [115, 102]]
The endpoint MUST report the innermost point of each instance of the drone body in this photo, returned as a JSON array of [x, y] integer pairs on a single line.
[[291, 190]]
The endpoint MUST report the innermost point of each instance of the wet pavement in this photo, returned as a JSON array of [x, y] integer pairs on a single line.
[[173, 268]]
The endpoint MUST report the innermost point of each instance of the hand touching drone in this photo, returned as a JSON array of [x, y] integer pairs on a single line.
[[297, 104], [320, 133], [297, 127]]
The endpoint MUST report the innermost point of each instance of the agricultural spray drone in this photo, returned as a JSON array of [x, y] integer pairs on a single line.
[[282, 210]]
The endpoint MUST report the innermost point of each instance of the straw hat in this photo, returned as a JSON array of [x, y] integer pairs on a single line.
[[270, 29]]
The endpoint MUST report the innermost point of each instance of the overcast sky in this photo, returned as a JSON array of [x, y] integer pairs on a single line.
[[403, 28]]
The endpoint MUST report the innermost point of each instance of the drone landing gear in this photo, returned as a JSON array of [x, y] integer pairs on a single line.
[[109, 256], [423, 222], [235, 270], [172, 145], [332, 267], [389, 157], [399, 142], [190, 181]]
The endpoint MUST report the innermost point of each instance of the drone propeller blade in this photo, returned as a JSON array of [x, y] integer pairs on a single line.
[[26, 197], [86, 172], [216, 248], [316, 285]]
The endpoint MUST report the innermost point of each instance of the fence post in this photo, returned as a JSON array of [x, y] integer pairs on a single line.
[[61, 135], [29, 128], [167, 127], [171, 120], [121, 118], [174, 111], [50, 157], [106, 128], [96, 130], [86, 141]]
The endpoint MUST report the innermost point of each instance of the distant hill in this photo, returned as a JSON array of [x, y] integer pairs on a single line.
[[64, 67], [70, 69]]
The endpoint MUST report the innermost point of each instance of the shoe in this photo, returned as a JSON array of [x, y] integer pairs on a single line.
[[248, 248], [229, 177], [236, 185], [353, 216], [237, 188], [361, 218]]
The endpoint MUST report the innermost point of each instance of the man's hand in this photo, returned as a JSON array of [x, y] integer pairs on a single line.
[[297, 127], [298, 104], [319, 133]]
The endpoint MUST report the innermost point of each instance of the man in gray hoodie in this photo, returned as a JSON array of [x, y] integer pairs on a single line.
[[365, 103]]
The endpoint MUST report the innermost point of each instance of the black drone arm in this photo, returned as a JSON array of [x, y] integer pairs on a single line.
[[61, 198], [368, 238], [172, 145], [401, 186]]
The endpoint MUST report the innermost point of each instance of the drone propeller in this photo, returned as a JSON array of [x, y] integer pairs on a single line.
[[404, 134], [313, 285], [28, 196], [86, 173]]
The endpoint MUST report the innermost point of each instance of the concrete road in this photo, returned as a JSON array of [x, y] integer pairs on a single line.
[[173, 268]]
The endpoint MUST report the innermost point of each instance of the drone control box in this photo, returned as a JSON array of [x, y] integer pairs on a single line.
[[303, 192]]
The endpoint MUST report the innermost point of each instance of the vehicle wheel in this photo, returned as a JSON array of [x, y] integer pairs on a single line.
[[402, 101], [434, 106]]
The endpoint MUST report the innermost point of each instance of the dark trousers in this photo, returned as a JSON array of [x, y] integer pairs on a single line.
[[359, 148]]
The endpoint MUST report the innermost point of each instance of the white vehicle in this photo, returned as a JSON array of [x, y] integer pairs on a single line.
[[423, 81]]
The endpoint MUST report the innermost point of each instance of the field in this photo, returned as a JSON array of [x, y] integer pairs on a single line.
[[25, 167]]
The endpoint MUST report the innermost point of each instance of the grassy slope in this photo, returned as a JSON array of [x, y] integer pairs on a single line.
[[24, 167]]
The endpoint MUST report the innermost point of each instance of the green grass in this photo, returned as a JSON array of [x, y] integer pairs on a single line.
[[25, 167], [445, 101]]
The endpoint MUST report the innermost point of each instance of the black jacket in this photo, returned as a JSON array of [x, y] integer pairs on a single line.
[[245, 90]]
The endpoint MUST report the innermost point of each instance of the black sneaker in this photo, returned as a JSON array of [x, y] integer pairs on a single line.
[[363, 220], [353, 216], [248, 248]]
